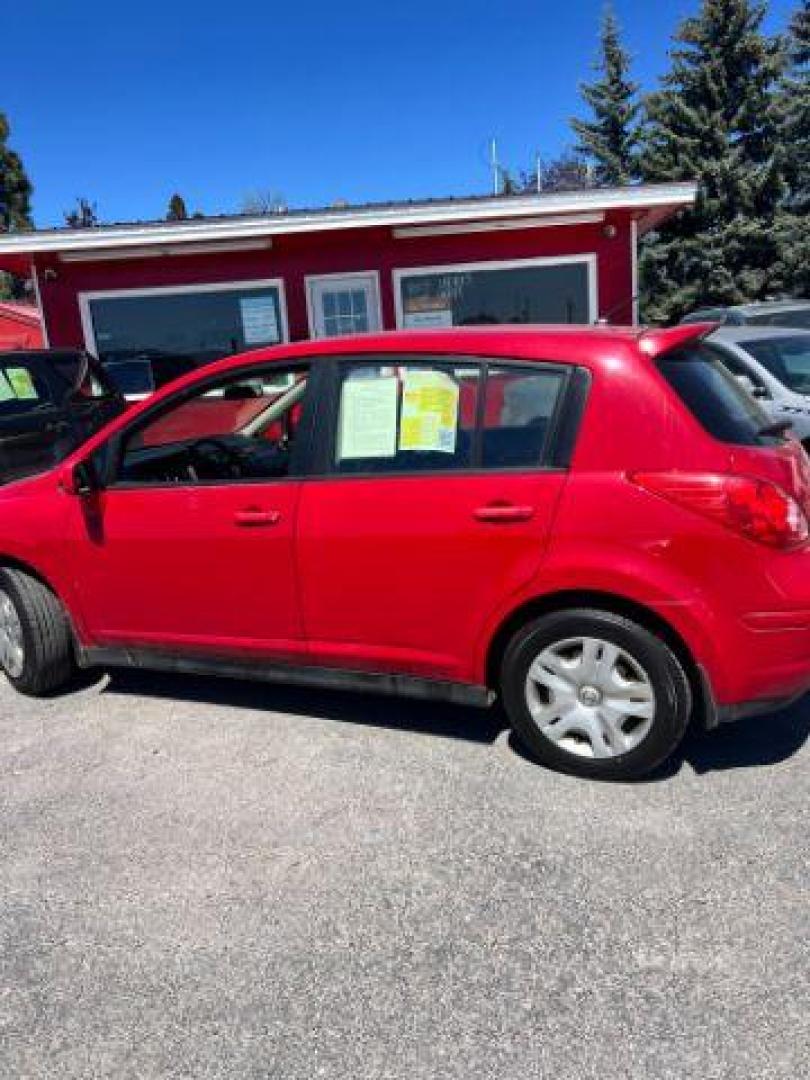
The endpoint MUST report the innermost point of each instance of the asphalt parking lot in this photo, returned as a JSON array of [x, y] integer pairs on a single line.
[[211, 879]]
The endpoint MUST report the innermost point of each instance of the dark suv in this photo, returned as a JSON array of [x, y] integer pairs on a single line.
[[51, 401]]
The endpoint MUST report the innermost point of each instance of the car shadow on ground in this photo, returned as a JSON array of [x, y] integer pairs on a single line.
[[743, 744], [750, 743], [436, 718]]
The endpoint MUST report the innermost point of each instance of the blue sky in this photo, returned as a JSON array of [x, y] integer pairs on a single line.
[[318, 101]]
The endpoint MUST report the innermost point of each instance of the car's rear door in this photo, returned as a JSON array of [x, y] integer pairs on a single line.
[[435, 504]]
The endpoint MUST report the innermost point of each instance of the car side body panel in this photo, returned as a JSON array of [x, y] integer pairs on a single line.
[[399, 574]]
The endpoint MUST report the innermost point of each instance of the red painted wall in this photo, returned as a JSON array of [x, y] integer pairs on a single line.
[[293, 257], [20, 327]]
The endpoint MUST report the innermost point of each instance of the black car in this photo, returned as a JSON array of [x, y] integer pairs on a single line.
[[51, 401]]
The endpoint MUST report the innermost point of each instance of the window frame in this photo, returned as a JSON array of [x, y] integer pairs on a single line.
[[109, 457], [86, 299], [557, 448], [589, 259]]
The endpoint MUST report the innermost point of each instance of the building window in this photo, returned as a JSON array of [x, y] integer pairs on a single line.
[[533, 291], [146, 338]]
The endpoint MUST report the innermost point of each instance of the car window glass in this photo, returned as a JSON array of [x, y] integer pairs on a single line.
[[23, 387], [786, 358], [746, 374], [715, 397], [520, 404], [237, 430], [795, 317], [401, 417]]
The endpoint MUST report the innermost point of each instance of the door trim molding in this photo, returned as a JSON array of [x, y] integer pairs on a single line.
[[370, 682]]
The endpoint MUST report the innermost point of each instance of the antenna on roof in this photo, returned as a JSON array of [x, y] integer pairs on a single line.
[[496, 168]]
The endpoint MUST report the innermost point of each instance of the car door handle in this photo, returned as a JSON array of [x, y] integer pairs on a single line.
[[504, 512], [254, 517]]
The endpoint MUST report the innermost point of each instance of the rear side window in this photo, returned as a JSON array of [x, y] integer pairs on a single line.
[[520, 404], [786, 358], [715, 397], [412, 416], [23, 387], [798, 317]]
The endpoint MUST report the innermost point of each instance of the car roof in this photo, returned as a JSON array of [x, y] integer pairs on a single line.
[[762, 307], [524, 342], [740, 334], [773, 305]]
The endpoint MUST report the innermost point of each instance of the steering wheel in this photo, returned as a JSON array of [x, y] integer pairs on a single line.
[[224, 461]]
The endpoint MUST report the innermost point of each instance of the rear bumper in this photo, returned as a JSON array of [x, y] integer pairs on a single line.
[[715, 714], [765, 667]]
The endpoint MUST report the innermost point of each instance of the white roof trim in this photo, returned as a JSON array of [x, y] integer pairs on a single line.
[[647, 197], [546, 221]]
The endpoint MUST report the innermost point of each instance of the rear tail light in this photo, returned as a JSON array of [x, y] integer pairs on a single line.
[[753, 508]]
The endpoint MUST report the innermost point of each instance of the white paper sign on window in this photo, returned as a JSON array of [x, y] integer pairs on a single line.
[[428, 320], [259, 320], [430, 402], [368, 418]]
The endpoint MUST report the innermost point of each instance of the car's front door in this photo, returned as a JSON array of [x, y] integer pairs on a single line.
[[435, 510], [190, 547]]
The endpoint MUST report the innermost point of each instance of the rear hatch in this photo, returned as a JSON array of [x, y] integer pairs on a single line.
[[725, 409], [758, 482]]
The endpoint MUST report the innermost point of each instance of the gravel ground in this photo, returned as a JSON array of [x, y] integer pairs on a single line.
[[206, 879]]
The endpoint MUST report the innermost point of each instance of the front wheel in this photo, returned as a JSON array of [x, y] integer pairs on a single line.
[[36, 644], [595, 694]]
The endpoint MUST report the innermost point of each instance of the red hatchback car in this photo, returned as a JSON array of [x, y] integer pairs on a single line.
[[598, 525]]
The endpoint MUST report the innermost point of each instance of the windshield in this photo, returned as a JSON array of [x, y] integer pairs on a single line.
[[786, 358], [798, 317]]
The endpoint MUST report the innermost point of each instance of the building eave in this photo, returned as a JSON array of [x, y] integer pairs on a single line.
[[649, 202]]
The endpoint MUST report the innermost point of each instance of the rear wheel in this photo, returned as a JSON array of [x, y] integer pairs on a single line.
[[595, 694], [36, 645]]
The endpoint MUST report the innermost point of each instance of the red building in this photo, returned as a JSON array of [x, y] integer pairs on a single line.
[[20, 327], [153, 299]]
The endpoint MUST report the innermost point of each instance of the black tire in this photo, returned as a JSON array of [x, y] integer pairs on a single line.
[[670, 686], [49, 659]]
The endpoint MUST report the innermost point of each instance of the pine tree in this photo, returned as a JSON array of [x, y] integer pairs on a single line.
[[15, 188], [177, 208], [610, 140], [83, 216], [714, 120], [794, 114], [795, 109], [15, 202]]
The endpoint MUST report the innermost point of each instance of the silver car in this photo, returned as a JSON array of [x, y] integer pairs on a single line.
[[794, 313], [774, 365]]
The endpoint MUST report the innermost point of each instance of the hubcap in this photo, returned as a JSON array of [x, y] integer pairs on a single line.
[[12, 650], [590, 698]]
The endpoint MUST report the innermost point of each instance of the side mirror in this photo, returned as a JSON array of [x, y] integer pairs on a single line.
[[762, 392]]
